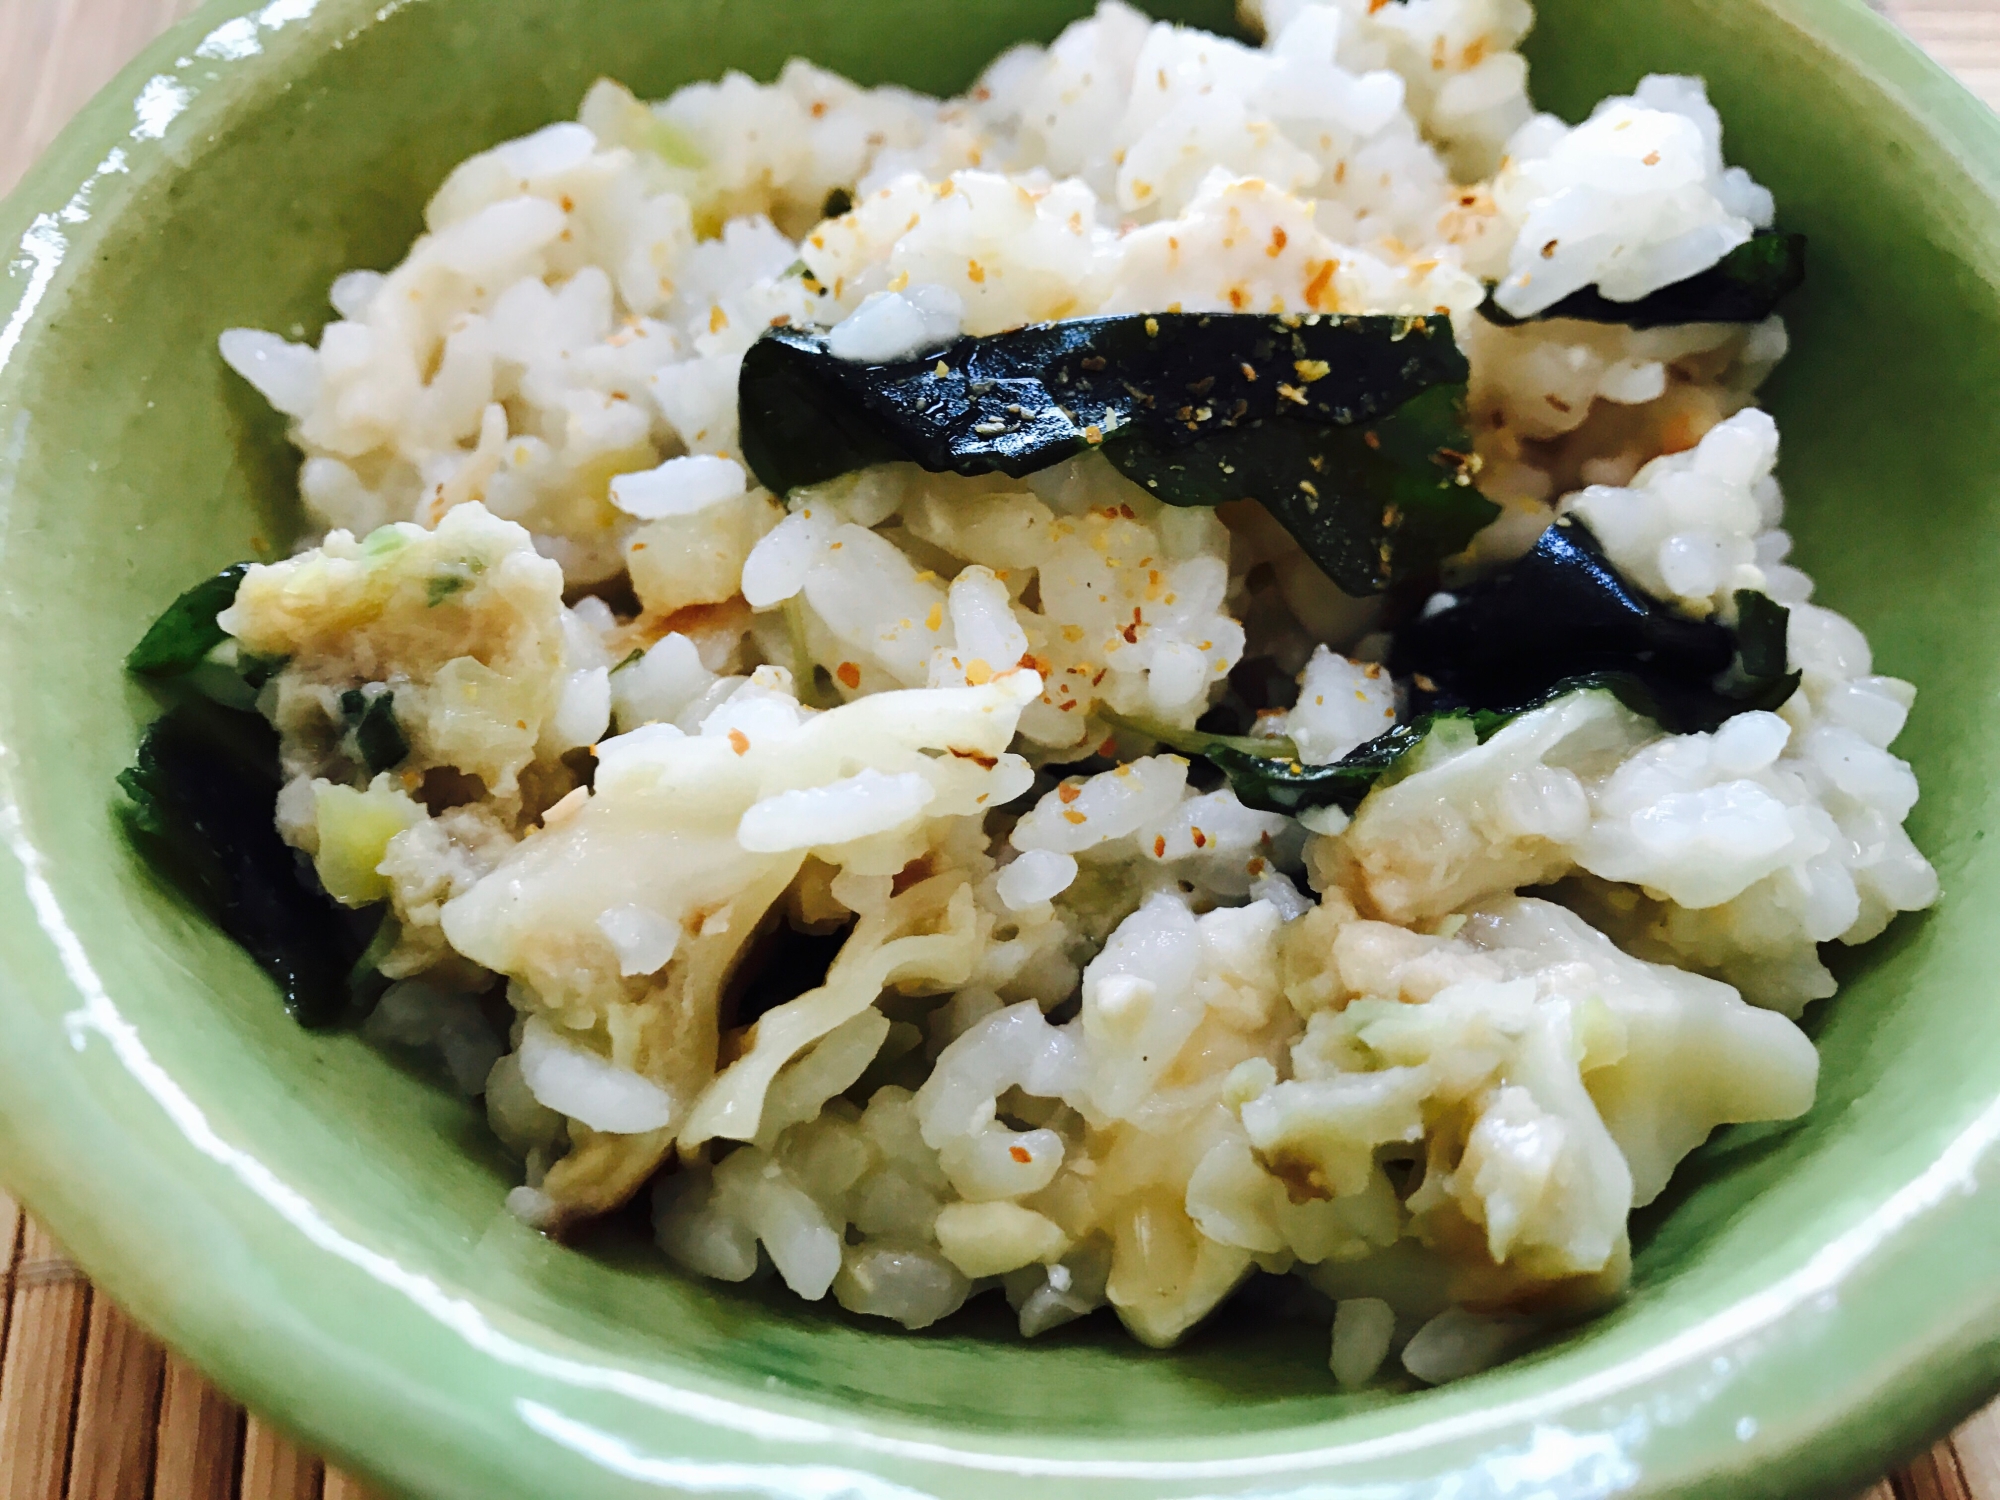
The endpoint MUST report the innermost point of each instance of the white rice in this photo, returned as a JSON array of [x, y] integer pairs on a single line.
[[1096, 1037]]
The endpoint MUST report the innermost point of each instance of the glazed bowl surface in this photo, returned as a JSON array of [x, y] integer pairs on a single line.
[[322, 1232]]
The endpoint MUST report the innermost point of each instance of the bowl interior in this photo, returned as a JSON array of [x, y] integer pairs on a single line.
[[131, 461]]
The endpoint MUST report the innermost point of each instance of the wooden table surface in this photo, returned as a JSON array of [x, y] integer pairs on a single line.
[[90, 1407]]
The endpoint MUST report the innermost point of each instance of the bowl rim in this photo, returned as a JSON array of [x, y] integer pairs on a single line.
[[76, 1059]]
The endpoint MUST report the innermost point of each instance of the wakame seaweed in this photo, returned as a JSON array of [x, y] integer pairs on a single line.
[[1561, 620], [1347, 429], [180, 640], [1266, 773], [1745, 286], [1563, 615], [203, 793]]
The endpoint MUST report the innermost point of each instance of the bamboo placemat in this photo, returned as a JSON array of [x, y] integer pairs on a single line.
[[91, 1408]]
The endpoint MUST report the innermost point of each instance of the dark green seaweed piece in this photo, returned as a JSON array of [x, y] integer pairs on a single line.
[[1266, 773], [1370, 506], [258, 670], [183, 636], [1347, 429], [1761, 627], [1745, 286], [203, 796], [371, 719], [1559, 621], [1563, 615]]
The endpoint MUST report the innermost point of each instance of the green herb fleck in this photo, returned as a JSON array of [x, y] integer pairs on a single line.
[[453, 578]]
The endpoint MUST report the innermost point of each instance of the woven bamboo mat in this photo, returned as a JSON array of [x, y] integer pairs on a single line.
[[91, 1408]]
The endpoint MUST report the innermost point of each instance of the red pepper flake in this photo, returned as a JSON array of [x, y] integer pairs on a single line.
[[849, 675], [984, 762], [1200, 839], [1069, 791], [739, 742], [1321, 280], [1021, 1154], [1159, 846], [1109, 749]]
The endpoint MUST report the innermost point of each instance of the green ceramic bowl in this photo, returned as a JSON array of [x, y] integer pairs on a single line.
[[321, 1232]]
